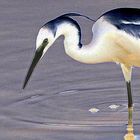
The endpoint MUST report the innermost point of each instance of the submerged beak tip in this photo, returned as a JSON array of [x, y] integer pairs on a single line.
[[23, 87]]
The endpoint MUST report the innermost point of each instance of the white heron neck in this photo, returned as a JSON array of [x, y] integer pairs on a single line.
[[73, 47], [72, 44], [72, 35]]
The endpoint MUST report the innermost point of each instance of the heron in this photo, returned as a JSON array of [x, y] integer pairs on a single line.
[[116, 38]]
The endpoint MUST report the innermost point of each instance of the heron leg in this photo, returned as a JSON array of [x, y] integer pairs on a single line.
[[127, 70], [130, 101], [130, 108]]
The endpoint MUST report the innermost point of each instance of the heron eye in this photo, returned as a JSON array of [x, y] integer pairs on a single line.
[[45, 41]]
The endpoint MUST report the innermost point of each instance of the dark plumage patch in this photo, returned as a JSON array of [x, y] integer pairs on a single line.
[[53, 25], [124, 19]]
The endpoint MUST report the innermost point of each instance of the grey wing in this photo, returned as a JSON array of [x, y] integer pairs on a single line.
[[125, 19], [131, 29]]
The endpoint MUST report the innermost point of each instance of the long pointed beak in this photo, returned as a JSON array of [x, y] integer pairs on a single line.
[[37, 56]]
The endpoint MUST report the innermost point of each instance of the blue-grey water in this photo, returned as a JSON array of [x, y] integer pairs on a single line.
[[56, 103]]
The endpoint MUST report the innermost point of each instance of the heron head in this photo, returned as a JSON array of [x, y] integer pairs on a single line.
[[45, 39], [48, 34]]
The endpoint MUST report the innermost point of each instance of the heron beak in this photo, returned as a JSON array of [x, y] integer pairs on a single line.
[[37, 57]]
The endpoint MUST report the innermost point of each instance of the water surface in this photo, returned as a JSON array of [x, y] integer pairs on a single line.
[[56, 103]]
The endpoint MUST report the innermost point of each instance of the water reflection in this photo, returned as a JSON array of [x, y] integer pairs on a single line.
[[130, 133], [137, 137], [130, 130], [74, 113]]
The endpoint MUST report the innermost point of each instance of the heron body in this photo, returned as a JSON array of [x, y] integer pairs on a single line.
[[116, 38]]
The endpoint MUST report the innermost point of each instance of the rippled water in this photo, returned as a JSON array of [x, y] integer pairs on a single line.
[[64, 99]]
